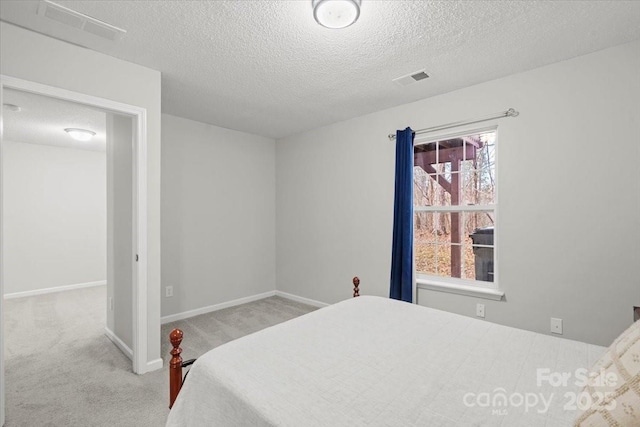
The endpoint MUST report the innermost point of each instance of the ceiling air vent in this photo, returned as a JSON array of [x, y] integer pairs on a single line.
[[411, 78], [80, 21]]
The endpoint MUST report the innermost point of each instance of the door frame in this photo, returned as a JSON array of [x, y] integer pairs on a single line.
[[139, 220]]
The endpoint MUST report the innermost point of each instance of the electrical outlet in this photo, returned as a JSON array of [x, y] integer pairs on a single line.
[[110, 303], [480, 310], [168, 291], [556, 326]]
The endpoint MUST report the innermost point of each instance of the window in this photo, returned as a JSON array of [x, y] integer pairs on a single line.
[[454, 211]]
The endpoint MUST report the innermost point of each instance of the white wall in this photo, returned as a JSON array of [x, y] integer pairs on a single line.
[[218, 214], [34, 57], [54, 216], [569, 197]]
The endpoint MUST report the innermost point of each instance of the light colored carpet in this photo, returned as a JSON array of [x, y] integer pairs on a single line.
[[61, 370]]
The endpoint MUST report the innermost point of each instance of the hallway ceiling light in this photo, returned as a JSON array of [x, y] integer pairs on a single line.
[[336, 13], [80, 134]]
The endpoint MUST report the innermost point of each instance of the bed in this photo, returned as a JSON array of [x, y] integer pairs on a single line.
[[372, 361]]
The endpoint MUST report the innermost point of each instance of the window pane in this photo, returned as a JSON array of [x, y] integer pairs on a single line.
[[454, 189], [449, 260], [479, 186], [421, 189], [440, 190], [446, 170], [444, 197], [468, 271], [424, 226], [478, 263], [430, 190], [479, 219], [437, 227], [438, 245], [478, 246], [425, 256]]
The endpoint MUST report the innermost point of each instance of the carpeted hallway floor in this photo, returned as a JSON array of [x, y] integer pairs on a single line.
[[61, 370]]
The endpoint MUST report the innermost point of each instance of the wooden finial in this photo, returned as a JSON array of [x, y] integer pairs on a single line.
[[175, 366], [176, 339], [356, 283]]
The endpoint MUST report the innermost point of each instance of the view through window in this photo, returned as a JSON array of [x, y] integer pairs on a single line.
[[454, 208]]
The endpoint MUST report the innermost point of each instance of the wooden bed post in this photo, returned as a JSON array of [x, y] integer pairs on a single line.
[[356, 283], [175, 366]]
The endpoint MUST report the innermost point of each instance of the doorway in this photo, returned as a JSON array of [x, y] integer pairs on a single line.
[[130, 267]]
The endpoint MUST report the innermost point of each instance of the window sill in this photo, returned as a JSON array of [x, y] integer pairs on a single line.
[[454, 288]]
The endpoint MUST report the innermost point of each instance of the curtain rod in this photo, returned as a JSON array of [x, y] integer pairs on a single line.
[[509, 113]]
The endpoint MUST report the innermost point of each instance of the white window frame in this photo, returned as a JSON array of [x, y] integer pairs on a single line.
[[474, 288]]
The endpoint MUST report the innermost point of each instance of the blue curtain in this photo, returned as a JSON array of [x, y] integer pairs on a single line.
[[402, 249]]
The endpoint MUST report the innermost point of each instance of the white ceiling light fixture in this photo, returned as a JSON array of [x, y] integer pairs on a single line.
[[336, 13], [80, 134]]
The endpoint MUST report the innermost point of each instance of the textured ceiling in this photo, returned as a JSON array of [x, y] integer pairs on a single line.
[[268, 68], [43, 120]]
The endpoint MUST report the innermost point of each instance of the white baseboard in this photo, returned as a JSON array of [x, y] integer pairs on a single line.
[[154, 365], [120, 344], [55, 289], [216, 307], [301, 299]]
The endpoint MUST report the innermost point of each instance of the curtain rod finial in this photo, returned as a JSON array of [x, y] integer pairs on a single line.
[[512, 112]]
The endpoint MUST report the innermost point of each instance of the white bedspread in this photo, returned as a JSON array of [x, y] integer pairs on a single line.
[[372, 361]]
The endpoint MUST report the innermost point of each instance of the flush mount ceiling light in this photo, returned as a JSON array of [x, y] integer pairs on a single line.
[[336, 13], [80, 134]]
